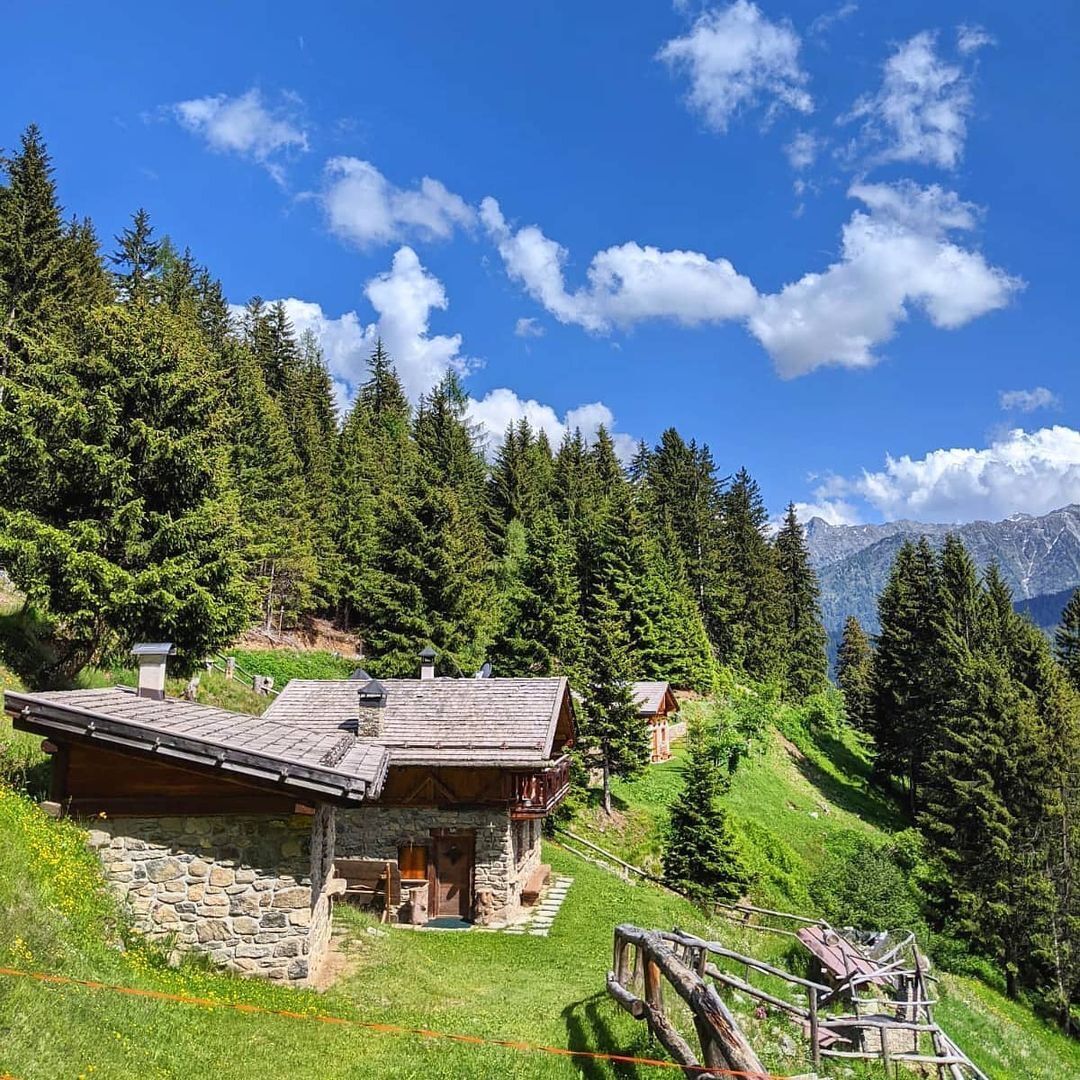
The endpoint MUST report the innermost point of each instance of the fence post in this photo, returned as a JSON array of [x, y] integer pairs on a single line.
[[230, 667], [815, 1046]]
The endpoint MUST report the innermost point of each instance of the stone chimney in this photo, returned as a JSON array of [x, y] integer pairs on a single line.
[[427, 663], [151, 658], [372, 698]]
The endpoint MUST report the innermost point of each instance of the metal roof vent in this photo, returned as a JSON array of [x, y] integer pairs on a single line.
[[152, 658], [427, 662]]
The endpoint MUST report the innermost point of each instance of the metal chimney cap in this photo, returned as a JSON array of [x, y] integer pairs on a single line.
[[428, 653], [360, 675], [373, 690], [150, 648]]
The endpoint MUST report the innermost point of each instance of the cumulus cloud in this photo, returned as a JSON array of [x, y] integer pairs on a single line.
[[803, 149], [833, 511], [626, 284], [404, 298], [896, 255], [736, 59], [528, 327], [1020, 472], [499, 408], [920, 113], [1029, 400], [365, 208], [246, 126], [971, 38]]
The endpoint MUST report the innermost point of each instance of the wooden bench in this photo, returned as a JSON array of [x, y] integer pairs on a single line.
[[534, 886], [371, 883]]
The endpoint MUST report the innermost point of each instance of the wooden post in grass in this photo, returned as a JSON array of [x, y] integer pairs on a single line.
[[815, 1046]]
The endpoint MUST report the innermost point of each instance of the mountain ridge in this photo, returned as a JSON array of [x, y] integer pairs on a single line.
[[1039, 555]]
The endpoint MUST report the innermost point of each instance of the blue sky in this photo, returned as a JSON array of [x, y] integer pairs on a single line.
[[834, 241]]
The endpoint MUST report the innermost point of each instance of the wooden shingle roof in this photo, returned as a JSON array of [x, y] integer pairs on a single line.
[[463, 722], [649, 697], [329, 761]]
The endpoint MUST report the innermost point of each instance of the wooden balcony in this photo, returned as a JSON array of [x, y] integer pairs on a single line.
[[536, 794]]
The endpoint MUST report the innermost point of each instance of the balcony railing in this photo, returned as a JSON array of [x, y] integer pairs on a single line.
[[535, 794]]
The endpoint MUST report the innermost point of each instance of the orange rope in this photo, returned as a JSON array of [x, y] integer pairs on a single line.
[[382, 1029]]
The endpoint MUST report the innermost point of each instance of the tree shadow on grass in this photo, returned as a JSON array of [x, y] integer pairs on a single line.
[[853, 794], [588, 1030]]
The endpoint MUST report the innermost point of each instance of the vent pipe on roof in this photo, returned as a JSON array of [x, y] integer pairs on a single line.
[[152, 658], [427, 662]]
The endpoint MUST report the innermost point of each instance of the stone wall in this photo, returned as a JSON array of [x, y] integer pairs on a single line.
[[250, 891], [502, 866]]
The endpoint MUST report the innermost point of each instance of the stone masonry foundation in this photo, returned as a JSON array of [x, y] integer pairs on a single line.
[[507, 852], [249, 891]]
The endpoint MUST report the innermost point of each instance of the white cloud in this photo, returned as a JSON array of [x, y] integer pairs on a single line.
[[972, 37], [736, 58], [825, 22], [528, 327], [499, 408], [365, 208], [921, 111], [626, 284], [244, 125], [834, 511], [1029, 400], [1021, 472], [403, 298], [802, 150], [895, 255]]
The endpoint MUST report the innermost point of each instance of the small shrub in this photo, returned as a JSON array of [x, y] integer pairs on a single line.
[[866, 885]]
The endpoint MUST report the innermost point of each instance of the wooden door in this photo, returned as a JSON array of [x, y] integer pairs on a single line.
[[452, 863]]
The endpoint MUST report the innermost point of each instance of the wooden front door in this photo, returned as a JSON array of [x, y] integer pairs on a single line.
[[452, 860]]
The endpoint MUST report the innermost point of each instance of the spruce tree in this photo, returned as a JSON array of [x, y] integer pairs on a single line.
[[1067, 640], [906, 675], [752, 634], [137, 259], [854, 674], [806, 641], [540, 629], [701, 856], [37, 277], [609, 724]]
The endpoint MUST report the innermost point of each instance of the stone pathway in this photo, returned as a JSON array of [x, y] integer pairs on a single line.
[[542, 915]]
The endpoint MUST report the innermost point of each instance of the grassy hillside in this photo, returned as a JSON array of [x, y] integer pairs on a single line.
[[796, 795], [796, 798]]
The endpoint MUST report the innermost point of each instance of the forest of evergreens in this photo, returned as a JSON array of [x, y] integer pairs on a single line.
[[170, 471]]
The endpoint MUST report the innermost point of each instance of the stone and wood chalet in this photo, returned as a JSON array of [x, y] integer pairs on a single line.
[[231, 834], [658, 707]]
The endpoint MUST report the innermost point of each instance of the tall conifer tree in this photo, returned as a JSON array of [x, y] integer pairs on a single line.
[[806, 640]]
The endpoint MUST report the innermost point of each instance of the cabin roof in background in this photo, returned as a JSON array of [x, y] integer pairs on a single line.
[[650, 696], [450, 722]]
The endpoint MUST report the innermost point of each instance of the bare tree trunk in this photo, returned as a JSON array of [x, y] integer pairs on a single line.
[[607, 784]]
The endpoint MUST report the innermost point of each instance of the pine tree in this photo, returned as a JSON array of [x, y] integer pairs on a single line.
[[1067, 640], [137, 259], [37, 278], [134, 531], [752, 634], [540, 629], [854, 674], [806, 640], [609, 725], [906, 676], [701, 856]]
